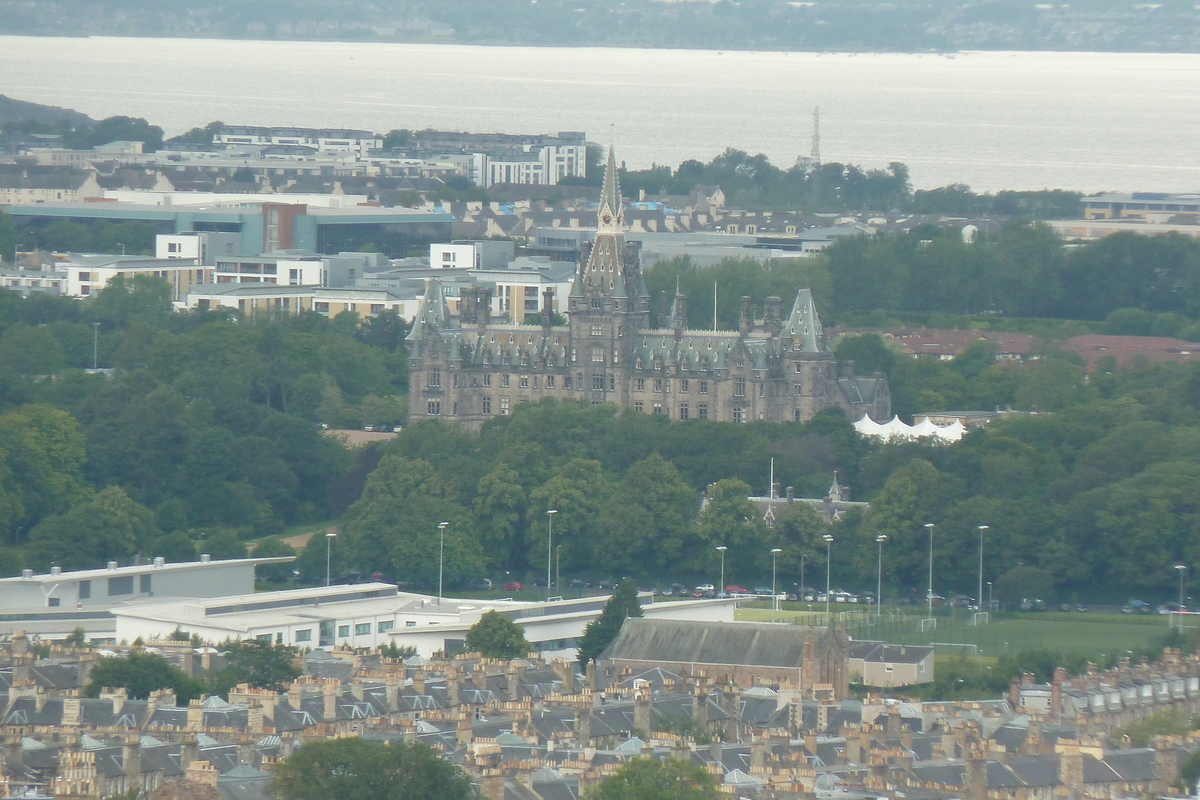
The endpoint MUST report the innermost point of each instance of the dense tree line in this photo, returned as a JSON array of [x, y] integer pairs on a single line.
[[754, 182], [203, 433], [1137, 284], [1067, 495], [840, 26], [85, 134]]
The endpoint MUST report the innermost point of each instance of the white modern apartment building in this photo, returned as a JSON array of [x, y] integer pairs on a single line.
[[204, 247], [336, 140], [540, 165], [472, 254], [87, 274]]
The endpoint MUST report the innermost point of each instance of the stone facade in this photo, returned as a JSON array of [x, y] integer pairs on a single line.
[[615, 350]]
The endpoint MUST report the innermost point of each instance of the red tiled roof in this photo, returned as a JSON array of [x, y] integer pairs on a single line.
[[1124, 348]]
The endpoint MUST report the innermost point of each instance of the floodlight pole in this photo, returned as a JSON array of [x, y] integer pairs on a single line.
[[441, 558]]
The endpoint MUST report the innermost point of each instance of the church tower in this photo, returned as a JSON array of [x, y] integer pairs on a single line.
[[608, 301]]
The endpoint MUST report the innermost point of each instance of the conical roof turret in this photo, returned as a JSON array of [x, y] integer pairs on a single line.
[[610, 215]]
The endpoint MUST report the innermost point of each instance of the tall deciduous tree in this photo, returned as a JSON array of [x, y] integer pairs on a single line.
[[600, 632], [648, 520], [497, 636], [355, 769], [140, 673], [649, 779], [110, 527]]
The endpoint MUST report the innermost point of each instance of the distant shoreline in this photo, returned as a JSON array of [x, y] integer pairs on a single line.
[[603, 46]]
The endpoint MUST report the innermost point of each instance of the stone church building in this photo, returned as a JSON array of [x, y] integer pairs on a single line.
[[615, 349]]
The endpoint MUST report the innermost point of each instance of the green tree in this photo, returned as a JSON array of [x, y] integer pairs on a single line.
[[600, 632], [121, 302], [497, 636], [500, 509], [650, 779], [28, 351], [914, 495], [353, 768], [647, 521], [109, 527], [140, 673], [1021, 583], [868, 352], [730, 519], [274, 548], [8, 237], [261, 664]]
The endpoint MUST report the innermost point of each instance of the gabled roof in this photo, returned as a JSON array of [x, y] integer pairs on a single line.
[[688, 642]]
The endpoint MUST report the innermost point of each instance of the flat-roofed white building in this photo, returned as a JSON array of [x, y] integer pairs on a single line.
[[202, 246], [372, 614], [254, 298], [88, 273]]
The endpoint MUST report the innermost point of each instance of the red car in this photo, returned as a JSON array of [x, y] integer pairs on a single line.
[[733, 588], [514, 586]]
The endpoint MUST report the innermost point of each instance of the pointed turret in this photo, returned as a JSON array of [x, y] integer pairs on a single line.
[[804, 326], [611, 215]]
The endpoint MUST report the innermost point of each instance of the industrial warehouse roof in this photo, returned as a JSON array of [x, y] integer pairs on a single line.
[[223, 213], [139, 569], [730, 643]]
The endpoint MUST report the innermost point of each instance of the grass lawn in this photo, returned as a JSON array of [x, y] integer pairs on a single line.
[[1066, 633]]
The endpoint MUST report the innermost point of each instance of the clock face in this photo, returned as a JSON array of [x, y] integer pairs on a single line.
[[607, 218]]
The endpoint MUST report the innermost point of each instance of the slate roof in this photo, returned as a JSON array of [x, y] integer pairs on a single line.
[[882, 652], [732, 643]]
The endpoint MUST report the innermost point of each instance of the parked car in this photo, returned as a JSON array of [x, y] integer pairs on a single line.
[[1035, 604], [514, 586], [706, 587], [763, 591], [734, 589], [1136, 606]]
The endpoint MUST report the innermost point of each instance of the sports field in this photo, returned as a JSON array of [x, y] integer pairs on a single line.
[[1065, 633]]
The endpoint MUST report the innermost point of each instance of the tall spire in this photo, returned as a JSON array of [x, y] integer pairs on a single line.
[[611, 214]]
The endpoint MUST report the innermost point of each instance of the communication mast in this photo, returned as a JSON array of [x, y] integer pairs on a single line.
[[816, 142], [813, 176]]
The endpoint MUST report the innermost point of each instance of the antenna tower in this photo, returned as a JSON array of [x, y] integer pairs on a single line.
[[814, 175], [816, 142]]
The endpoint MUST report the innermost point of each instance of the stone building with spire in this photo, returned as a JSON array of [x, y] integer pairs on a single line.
[[615, 349]]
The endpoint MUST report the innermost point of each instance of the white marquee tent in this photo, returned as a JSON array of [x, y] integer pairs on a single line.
[[895, 429]]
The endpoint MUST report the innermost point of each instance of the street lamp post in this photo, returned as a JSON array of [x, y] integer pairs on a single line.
[[549, 547], [775, 551], [979, 597], [989, 596], [929, 525], [329, 537], [441, 557], [95, 345], [802, 577], [721, 549], [880, 539], [558, 567], [1182, 573], [828, 586]]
